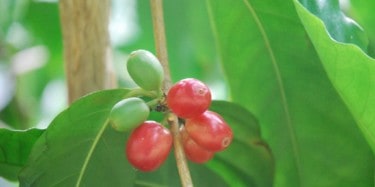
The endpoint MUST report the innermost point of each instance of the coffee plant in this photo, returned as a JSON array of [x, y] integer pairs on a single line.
[[263, 93]]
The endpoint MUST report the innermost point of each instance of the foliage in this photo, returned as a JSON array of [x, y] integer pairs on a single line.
[[301, 73], [15, 148], [80, 148]]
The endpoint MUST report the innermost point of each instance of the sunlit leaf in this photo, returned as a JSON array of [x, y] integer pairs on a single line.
[[350, 70], [274, 71]]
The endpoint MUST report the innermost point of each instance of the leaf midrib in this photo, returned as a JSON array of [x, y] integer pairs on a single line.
[[277, 73], [280, 86], [90, 153]]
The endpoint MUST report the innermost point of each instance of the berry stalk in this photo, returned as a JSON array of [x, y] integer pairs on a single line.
[[161, 51]]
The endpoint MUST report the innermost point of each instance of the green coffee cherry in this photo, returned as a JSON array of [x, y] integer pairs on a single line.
[[145, 69], [128, 114]]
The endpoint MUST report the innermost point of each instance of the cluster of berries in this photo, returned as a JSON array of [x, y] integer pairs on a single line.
[[203, 132]]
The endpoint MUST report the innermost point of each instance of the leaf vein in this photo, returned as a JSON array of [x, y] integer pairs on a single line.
[[280, 86], [91, 151]]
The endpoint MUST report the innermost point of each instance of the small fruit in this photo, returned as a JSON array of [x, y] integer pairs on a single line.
[[148, 146], [128, 114], [209, 131], [189, 98], [145, 69], [193, 151]]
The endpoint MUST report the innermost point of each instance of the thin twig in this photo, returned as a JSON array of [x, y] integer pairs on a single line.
[[183, 168], [160, 41], [161, 52]]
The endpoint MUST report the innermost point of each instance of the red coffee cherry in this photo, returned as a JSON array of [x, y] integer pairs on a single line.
[[193, 151], [148, 146], [209, 131], [189, 98]]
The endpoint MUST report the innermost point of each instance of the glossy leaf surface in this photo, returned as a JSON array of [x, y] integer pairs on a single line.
[[275, 71], [351, 71]]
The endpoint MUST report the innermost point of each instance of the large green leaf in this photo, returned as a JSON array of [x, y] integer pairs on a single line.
[[80, 149], [15, 147], [274, 71], [351, 71]]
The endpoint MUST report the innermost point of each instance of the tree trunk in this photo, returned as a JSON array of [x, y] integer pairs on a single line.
[[86, 46]]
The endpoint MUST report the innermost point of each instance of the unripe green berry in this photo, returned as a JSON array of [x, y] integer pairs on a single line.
[[128, 114], [145, 69]]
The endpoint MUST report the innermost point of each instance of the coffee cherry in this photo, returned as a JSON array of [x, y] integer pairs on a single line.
[[193, 151], [148, 146], [145, 69], [189, 98], [128, 114], [209, 131]]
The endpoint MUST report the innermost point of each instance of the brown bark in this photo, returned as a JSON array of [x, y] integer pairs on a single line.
[[86, 46]]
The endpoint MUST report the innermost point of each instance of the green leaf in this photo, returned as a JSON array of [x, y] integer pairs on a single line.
[[15, 147], [274, 71], [248, 161], [79, 148], [350, 70], [339, 26], [362, 11]]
